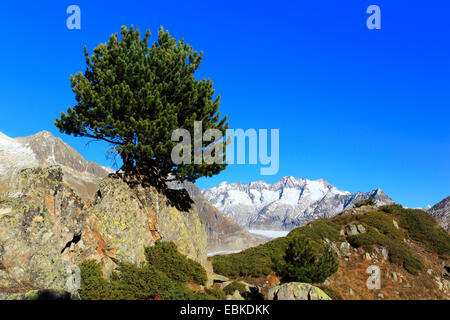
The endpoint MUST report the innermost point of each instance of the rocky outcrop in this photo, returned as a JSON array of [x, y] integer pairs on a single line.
[[441, 212], [46, 230], [124, 219], [297, 291]]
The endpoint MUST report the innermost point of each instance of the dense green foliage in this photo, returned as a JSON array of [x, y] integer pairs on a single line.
[[306, 261], [421, 227], [93, 285], [217, 293], [319, 229], [165, 257], [413, 224], [233, 286], [368, 202], [255, 262], [152, 280], [134, 96]]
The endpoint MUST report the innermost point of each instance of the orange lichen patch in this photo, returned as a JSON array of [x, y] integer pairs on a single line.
[[102, 248], [49, 204], [153, 224], [273, 280], [3, 189]]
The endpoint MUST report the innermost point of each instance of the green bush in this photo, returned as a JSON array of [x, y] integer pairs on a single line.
[[319, 229], [217, 293], [152, 280], [306, 261], [421, 227], [255, 262], [232, 287], [165, 257], [93, 285], [368, 202]]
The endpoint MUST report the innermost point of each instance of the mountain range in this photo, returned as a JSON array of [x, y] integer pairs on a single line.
[[226, 210], [285, 205]]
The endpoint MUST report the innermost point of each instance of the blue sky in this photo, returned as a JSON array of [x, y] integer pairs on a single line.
[[360, 108]]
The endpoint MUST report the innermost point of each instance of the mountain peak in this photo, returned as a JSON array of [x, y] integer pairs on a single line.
[[44, 133]]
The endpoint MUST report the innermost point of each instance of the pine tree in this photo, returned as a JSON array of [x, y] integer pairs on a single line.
[[134, 96], [306, 261]]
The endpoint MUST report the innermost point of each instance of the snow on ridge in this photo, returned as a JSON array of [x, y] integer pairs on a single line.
[[286, 204], [14, 155]]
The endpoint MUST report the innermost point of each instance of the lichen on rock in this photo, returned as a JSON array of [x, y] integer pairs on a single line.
[[46, 230], [297, 291], [43, 215]]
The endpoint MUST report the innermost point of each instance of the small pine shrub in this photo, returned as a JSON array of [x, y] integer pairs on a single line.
[[306, 261], [165, 257], [152, 280], [368, 202], [93, 285], [254, 262], [232, 287], [217, 293]]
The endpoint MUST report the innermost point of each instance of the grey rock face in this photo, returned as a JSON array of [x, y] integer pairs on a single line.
[[41, 217], [46, 230], [285, 205], [441, 212]]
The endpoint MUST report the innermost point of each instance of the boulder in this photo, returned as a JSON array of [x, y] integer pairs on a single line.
[[361, 228], [345, 248], [46, 230], [332, 246], [297, 291], [235, 297], [351, 230], [41, 218]]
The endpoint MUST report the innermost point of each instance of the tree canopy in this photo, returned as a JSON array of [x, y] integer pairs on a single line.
[[134, 96]]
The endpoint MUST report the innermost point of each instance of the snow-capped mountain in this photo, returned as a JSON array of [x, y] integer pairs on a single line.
[[285, 205], [43, 150]]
